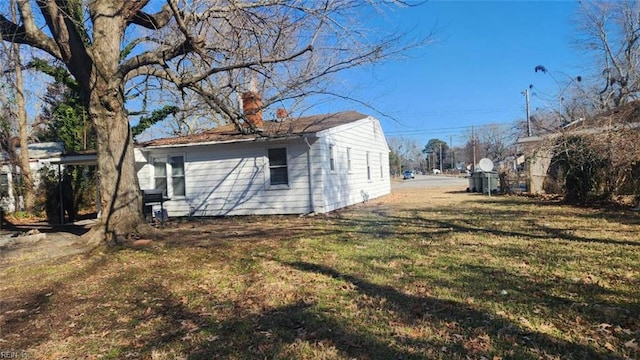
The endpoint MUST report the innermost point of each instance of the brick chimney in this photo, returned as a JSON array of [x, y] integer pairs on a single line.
[[281, 114], [252, 108]]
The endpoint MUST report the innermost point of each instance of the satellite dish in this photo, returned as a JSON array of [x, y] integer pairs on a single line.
[[485, 165]]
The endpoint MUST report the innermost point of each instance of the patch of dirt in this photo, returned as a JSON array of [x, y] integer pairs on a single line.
[[31, 243], [56, 242]]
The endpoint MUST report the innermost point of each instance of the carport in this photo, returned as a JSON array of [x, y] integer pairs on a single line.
[[88, 158]]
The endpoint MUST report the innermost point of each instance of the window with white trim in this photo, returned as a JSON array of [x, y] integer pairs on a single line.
[[160, 174], [278, 170], [348, 159], [381, 167], [174, 185], [332, 158], [177, 175], [368, 167]]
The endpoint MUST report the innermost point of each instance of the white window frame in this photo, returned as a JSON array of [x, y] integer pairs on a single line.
[[268, 168], [349, 164], [332, 158], [368, 166], [172, 176], [166, 159], [381, 167], [154, 160]]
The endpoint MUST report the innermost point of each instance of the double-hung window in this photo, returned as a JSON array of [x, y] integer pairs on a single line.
[[160, 174], [332, 158], [177, 175], [173, 185], [278, 171]]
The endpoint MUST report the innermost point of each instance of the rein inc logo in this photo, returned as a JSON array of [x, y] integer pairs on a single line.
[[14, 354]]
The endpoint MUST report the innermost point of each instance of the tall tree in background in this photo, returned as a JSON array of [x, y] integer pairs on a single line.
[[438, 150], [611, 32], [114, 47], [404, 155], [18, 109]]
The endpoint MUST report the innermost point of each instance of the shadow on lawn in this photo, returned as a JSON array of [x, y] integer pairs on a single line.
[[544, 232], [286, 330], [252, 336], [586, 298], [22, 312], [608, 212], [506, 335]]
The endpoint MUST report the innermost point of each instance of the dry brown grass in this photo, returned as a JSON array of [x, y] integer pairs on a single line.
[[436, 274]]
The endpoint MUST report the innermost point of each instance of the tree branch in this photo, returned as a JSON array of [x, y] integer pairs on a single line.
[[28, 33], [248, 64], [152, 21], [156, 57]]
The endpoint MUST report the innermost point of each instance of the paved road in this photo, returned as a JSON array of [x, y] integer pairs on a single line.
[[431, 181]]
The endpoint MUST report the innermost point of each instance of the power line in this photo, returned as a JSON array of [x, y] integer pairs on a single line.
[[443, 130]]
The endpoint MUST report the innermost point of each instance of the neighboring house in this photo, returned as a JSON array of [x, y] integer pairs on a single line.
[[39, 154], [312, 164], [539, 149]]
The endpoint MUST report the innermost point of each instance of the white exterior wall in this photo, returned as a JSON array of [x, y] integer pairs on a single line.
[[341, 187], [8, 203], [233, 179]]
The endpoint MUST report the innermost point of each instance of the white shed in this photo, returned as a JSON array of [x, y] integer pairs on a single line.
[[305, 165]]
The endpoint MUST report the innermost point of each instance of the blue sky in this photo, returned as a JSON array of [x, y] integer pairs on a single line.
[[482, 57]]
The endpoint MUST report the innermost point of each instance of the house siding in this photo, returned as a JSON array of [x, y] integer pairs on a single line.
[[232, 179], [341, 187]]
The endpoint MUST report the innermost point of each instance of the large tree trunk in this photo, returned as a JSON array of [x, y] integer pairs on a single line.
[[120, 194]]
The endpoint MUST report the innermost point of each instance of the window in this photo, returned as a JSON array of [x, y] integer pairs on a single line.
[[177, 175], [332, 157], [381, 167], [173, 186], [349, 159], [368, 167], [278, 172], [4, 185], [160, 174]]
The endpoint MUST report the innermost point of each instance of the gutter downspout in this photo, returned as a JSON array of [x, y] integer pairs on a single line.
[[310, 177]]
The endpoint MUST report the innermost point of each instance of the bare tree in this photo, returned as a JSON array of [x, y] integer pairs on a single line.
[[405, 154], [114, 47], [15, 82], [611, 31]]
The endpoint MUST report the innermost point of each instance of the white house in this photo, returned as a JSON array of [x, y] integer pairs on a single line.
[[40, 155], [304, 165]]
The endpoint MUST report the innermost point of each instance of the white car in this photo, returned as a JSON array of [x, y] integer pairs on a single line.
[[436, 171]]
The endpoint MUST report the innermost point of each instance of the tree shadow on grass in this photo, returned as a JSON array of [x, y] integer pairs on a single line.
[[502, 331], [22, 312], [273, 333], [458, 225], [560, 295]]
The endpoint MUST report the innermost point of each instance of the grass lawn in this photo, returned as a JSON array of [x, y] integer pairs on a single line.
[[420, 274]]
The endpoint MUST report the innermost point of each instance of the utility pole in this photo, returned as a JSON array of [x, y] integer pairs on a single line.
[[473, 144], [441, 167], [526, 97], [451, 152]]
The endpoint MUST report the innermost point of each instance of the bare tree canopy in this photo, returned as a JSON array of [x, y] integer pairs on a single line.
[[209, 49], [611, 32]]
